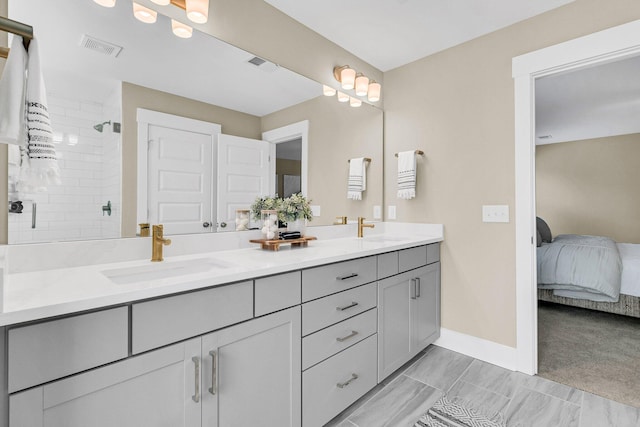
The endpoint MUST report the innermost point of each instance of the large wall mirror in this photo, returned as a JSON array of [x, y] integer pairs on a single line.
[[112, 80]]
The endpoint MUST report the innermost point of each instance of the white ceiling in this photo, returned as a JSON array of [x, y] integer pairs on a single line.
[[391, 33], [201, 68], [592, 102]]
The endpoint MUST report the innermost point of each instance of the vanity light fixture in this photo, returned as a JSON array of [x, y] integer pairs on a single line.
[[162, 2], [328, 90], [373, 95], [106, 3], [362, 84], [144, 14], [181, 30], [346, 76], [354, 102], [198, 10], [343, 97]]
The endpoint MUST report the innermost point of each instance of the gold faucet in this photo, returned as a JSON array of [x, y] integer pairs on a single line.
[[157, 242], [342, 220], [144, 229], [362, 225]]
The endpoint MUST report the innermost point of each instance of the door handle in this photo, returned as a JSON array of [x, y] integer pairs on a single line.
[[346, 383], [206, 224], [418, 290], [223, 224], [351, 335], [349, 276], [413, 288], [214, 357], [346, 307], [196, 396]]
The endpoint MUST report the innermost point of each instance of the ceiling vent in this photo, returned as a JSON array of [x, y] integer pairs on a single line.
[[263, 65], [100, 46], [256, 61]]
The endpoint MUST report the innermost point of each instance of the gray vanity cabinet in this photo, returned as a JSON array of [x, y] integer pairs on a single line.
[[408, 315]]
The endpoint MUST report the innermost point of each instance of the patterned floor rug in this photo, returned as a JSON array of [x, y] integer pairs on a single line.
[[446, 413]]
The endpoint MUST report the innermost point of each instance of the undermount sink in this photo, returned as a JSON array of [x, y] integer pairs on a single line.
[[156, 271]]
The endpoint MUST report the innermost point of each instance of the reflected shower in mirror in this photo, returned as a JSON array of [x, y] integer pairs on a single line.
[[102, 66]]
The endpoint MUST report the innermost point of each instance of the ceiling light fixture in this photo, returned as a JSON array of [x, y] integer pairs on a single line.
[[350, 79], [144, 14], [198, 10], [181, 30], [343, 97], [373, 95], [106, 3], [328, 90], [354, 102], [362, 84], [346, 76]]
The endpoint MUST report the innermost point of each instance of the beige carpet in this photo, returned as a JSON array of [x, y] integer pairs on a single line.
[[590, 350]]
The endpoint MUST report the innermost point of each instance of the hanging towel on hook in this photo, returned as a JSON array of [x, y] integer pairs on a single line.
[[357, 178], [407, 175], [12, 87], [41, 166]]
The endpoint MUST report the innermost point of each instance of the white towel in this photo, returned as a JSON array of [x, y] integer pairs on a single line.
[[407, 175], [41, 166], [12, 89], [357, 178]]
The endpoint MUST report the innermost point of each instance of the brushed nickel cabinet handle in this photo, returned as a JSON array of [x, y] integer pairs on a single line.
[[196, 396], [214, 357], [350, 276], [418, 287], [413, 288], [346, 383], [351, 335], [346, 307]]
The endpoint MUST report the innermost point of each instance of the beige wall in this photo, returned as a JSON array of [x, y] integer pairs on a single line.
[[462, 115], [590, 187], [286, 167], [134, 97], [337, 132]]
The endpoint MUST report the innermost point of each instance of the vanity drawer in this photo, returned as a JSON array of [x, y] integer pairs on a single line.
[[49, 350], [277, 292], [433, 253], [327, 342], [329, 279], [322, 398], [335, 308], [411, 258], [168, 320], [387, 264]]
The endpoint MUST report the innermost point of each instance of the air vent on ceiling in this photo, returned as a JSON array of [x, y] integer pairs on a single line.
[[100, 46], [263, 65], [256, 61]]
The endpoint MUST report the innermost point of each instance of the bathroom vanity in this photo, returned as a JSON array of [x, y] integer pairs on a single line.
[[284, 338]]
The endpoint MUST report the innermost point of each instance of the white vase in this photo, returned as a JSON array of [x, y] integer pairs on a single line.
[[297, 225]]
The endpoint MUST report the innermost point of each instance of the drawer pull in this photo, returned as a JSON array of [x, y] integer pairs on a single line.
[[196, 396], [346, 307], [418, 287], [214, 368], [351, 335], [350, 276], [346, 383], [413, 289]]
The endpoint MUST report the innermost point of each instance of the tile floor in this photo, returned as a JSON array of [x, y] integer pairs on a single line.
[[521, 400]]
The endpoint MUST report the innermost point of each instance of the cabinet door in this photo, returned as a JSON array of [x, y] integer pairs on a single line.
[[155, 389], [394, 323], [252, 373], [426, 313]]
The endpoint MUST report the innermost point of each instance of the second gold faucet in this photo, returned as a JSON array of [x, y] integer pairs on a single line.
[[362, 225], [157, 242]]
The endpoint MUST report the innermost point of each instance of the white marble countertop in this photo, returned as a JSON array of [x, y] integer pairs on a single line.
[[37, 295]]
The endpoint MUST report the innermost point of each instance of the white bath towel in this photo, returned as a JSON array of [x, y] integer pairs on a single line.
[[41, 167], [357, 178], [407, 175], [12, 90]]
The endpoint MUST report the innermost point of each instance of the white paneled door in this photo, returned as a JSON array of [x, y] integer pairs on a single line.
[[243, 174]]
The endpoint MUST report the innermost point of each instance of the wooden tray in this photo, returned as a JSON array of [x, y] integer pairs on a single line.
[[274, 245]]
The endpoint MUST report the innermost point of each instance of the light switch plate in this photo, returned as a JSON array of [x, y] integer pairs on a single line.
[[391, 212], [377, 212], [495, 213], [315, 210]]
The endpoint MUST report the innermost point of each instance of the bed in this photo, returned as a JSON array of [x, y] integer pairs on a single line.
[[590, 272]]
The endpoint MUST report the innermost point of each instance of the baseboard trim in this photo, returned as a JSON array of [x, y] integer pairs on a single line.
[[478, 348]]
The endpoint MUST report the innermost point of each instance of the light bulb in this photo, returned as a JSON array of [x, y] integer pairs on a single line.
[[354, 102], [162, 2], [144, 14], [362, 85], [347, 78], [342, 97], [328, 91], [181, 30], [198, 10], [374, 91], [106, 3]]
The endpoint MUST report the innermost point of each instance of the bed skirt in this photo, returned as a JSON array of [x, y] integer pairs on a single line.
[[627, 305]]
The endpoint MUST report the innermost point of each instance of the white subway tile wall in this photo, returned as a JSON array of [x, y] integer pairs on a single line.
[[90, 169]]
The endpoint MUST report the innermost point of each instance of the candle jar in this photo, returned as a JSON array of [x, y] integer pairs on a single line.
[[242, 219], [269, 224]]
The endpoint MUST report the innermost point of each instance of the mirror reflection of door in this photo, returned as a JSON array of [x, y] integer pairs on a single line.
[[289, 167]]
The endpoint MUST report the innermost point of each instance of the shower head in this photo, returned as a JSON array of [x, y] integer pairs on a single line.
[[100, 127]]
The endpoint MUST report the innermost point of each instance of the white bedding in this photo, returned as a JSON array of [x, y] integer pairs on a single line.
[[630, 254]]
